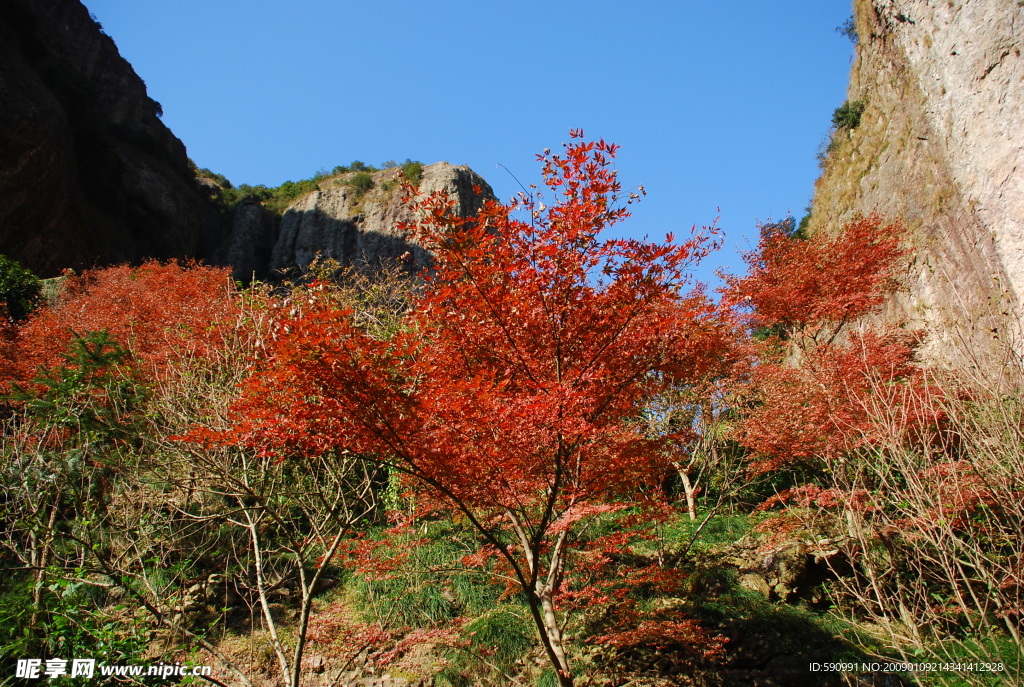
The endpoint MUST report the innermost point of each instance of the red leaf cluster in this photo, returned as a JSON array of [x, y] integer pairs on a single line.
[[817, 386], [160, 312], [828, 405], [956, 490], [812, 494], [664, 633], [812, 288]]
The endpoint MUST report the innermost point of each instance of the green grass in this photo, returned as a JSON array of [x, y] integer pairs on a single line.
[[497, 640], [431, 587], [720, 530], [995, 649]]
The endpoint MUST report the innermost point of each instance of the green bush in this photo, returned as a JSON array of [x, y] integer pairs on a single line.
[[90, 391], [847, 115], [278, 198], [288, 192], [220, 179], [359, 166], [412, 171], [361, 182], [19, 289]]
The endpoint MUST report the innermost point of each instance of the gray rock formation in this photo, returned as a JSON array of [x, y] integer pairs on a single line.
[[88, 172], [355, 227], [940, 145]]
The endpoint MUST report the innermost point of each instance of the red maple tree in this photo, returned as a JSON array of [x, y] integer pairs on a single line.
[[515, 394], [808, 290], [815, 389]]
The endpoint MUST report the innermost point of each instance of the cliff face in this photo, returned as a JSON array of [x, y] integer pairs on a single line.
[[88, 172], [89, 175], [341, 222], [940, 144]]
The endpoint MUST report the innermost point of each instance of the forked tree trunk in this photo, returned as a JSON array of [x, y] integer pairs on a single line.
[[540, 597], [689, 488]]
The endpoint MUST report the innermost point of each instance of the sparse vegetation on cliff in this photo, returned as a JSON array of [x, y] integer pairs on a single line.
[[849, 29], [847, 115], [357, 174]]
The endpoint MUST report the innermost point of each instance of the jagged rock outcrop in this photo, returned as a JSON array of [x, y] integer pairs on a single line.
[[341, 222], [88, 172], [940, 144]]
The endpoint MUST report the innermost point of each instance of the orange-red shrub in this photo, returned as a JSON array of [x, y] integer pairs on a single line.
[[161, 313]]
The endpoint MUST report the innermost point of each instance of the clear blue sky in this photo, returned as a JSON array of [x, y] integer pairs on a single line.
[[716, 105]]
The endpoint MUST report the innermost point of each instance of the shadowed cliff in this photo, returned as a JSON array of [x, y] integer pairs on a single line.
[[88, 172]]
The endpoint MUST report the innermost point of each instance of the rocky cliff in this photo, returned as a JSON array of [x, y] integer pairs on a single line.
[[89, 175], [88, 172], [940, 144], [347, 222]]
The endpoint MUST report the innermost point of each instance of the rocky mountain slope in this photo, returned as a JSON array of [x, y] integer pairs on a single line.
[[342, 221], [940, 144]]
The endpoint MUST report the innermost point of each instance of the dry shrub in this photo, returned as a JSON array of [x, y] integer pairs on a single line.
[[379, 295], [936, 531]]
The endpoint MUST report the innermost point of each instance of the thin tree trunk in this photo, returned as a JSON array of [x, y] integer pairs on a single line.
[[40, 558], [688, 487], [540, 599], [261, 588]]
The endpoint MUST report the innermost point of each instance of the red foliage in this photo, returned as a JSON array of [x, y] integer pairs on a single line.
[[956, 490], [336, 633], [813, 287], [513, 393], [819, 390], [631, 627], [830, 404], [812, 494], [664, 633], [161, 313]]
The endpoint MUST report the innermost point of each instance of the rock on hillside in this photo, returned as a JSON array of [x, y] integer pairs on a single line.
[[941, 145], [88, 172], [343, 222]]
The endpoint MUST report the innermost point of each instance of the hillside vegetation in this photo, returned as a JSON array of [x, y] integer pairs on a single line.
[[552, 459], [358, 175]]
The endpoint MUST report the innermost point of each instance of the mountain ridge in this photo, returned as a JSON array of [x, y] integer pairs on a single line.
[[90, 175]]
